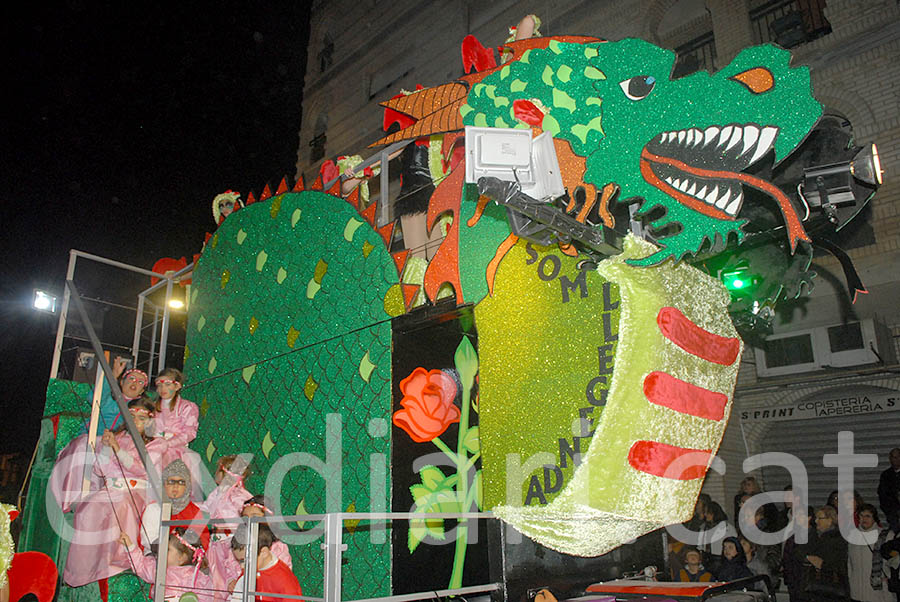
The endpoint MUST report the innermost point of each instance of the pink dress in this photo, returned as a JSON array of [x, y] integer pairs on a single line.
[[179, 579], [177, 428], [95, 552], [224, 568]]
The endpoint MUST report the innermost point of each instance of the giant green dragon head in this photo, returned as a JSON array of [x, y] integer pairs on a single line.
[[684, 144]]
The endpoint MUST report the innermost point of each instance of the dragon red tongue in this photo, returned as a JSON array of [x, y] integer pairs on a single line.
[[792, 222]]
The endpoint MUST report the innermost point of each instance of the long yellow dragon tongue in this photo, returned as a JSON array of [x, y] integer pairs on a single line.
[[666, 408]]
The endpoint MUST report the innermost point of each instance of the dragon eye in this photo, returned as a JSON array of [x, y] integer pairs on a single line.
[[638, 87]]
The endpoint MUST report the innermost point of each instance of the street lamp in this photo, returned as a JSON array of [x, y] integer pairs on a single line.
[[44, 302]]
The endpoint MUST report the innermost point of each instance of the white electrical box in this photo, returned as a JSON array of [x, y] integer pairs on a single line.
[[512, 155]]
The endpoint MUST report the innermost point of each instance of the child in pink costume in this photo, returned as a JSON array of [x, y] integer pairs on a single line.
[[224, 569], [184, 571], [68, 471], [176, 423], [95, 552]]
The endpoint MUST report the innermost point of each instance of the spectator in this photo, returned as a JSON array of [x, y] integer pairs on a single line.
[[889, 491], [734, 561], [749, 488], [868, 573], [763, 560], [826, 554], [693, 570], [710, 539], [792, 564]]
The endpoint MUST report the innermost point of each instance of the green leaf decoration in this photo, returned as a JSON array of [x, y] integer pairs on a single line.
[[351, 523], [466, 360], [301, 507], [254, 324], [210, 450], [310, 388], [204, 406], [267, 444], [432, 477], [312, 288], [212, 365], [321, 270], [229, 324], [241, 236], [226, 276], [194, 292], [367, 248], [201, 322], [471, 442], [248, 372], [276, 206], [187, 352], [292, 335], [420, 493], [215, 241], [282, 274], [394, 303], [417, 533], [295, 217], [366, 367], [350, 228], [261, 260]]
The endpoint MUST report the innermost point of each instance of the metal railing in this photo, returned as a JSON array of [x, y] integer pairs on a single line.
[[143, 304], [332, 547], [789, 22]]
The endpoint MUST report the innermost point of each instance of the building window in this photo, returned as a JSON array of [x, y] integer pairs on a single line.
[[326, 55], [789, 23], [317, 144], [699, 53]]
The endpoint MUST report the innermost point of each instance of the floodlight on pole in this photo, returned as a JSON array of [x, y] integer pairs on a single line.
[[43, 301], [176, 304]]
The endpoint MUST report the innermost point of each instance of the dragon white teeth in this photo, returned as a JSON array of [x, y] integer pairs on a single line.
[[676, 183], [711, 132], [713, 194], [766, 138], [681, 136], [692, 189], [722, 202], [698, 136], [751, 134], [669, 180], [735, 138], [702, 193], [725, 134], [683, 186], [735, 205], [689, 139]]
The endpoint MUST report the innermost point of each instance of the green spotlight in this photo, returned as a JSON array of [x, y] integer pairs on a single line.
[[739, 280]]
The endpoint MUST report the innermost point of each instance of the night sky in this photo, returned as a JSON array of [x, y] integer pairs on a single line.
[[121, 122]]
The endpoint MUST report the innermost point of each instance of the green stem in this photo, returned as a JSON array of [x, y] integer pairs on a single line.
[[472, 461], [462, 490], [443, 447]]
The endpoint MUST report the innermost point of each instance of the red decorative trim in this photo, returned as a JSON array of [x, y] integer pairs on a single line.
[[658, 458], [665, 390], [409, 293], [676, 327], [369, 214], [298, 186], [282, 187], [266, 193], [387, 232], [353, 198], [250, 198]]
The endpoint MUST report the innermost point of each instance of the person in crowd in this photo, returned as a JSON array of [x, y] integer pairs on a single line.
[[68, 471], [95, 553], [792, 563], [693, 567], [711, 536], [273, 576], [749, 488], [889, 491], [224, 568], [734, 562], [177, 420], [176, 480], [185, 566], [225, 204], [763, 560], [867, 571], [825, 557], [699, 518], [890, 553]]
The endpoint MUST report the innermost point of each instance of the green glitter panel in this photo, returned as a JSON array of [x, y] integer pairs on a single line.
[[288, 327], [72, 401]]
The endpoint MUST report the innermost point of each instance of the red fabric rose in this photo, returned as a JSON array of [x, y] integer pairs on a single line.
[[428, 407]]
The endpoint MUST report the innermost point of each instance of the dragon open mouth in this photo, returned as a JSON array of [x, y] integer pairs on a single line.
[[702, 169]]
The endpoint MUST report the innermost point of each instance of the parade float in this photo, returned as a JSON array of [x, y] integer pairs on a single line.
[[565, 361]]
